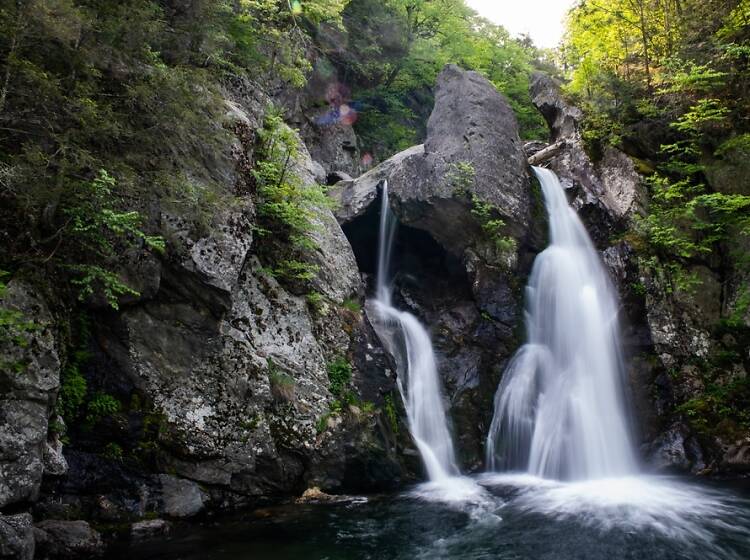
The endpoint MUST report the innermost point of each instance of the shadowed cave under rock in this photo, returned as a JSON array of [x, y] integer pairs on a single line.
[[433, 284], [426, 276]]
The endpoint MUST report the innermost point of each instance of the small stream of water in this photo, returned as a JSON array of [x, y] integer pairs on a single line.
[[418, 381]]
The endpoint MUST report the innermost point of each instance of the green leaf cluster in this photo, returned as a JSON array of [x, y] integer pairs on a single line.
[[339, 375]]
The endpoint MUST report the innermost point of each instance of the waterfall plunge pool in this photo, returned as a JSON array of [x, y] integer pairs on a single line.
[[492, 516]]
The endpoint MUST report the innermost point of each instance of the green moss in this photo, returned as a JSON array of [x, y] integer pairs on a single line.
[[113, 451], [315, 301], [493, 225], [339, 375], [72, 393], [352, 304], [390, 412], [14, 328], [100, 406], [461, 176]]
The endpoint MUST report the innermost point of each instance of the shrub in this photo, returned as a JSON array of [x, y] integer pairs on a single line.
[[339, 375], [101, 406]]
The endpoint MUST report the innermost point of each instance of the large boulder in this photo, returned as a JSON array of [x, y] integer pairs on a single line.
[[63, 540], [29, 381], [16, 537], [466, 239]]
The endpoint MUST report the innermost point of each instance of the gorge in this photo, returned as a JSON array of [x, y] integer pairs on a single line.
[[372, 279]]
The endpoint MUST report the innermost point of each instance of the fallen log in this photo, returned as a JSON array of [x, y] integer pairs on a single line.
[[547, 153]]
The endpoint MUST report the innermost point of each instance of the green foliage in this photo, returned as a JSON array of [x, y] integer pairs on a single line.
[[722, 409], [390, 412], [73, 385], [352, 304], [113, 451], [316, 301], [287, 208], [100, 406], [492, 225], [396, 50], [461, 176], [73, 389], [339, 375]]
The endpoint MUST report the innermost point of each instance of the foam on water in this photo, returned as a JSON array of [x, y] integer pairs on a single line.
[[671, 507]]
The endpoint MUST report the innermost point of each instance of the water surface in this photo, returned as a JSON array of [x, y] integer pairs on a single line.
[[514, 517]]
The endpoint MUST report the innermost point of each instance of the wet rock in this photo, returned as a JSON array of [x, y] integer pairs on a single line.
[[181, 498], [607, 193], [354, 197], [150, 529], [314, 495], [736, 458], [676, 450], [53, 458], [29, 381], [66, 540], [16, 537]]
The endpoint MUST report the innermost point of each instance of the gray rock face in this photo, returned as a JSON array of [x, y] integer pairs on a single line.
[[29, 381], [563, 118], [354, 197], [676, 450], [332, 141], [182, 498], [474, 123], [16, 537], [62, 540], [235, 362], [737, 456], [677, 320], [464, 282], [150, 529], [606, 193]]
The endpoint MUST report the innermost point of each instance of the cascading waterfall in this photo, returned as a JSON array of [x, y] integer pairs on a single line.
[[418, 381], [559, 410]]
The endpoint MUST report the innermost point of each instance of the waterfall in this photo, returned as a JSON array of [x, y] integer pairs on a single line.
[[559, 409], [418, 382]]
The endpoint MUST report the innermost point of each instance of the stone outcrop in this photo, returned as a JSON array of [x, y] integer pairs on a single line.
[[229, 367], [16, 537], [606, 193], [467, 238], [66, 540], [29, 381], [221, 371]]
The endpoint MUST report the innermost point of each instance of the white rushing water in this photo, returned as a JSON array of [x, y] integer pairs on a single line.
[[560, 414], [559, 410], [418, 381]]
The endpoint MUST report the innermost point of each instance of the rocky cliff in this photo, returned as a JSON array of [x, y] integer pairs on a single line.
[[222, 385], [218, 386]]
